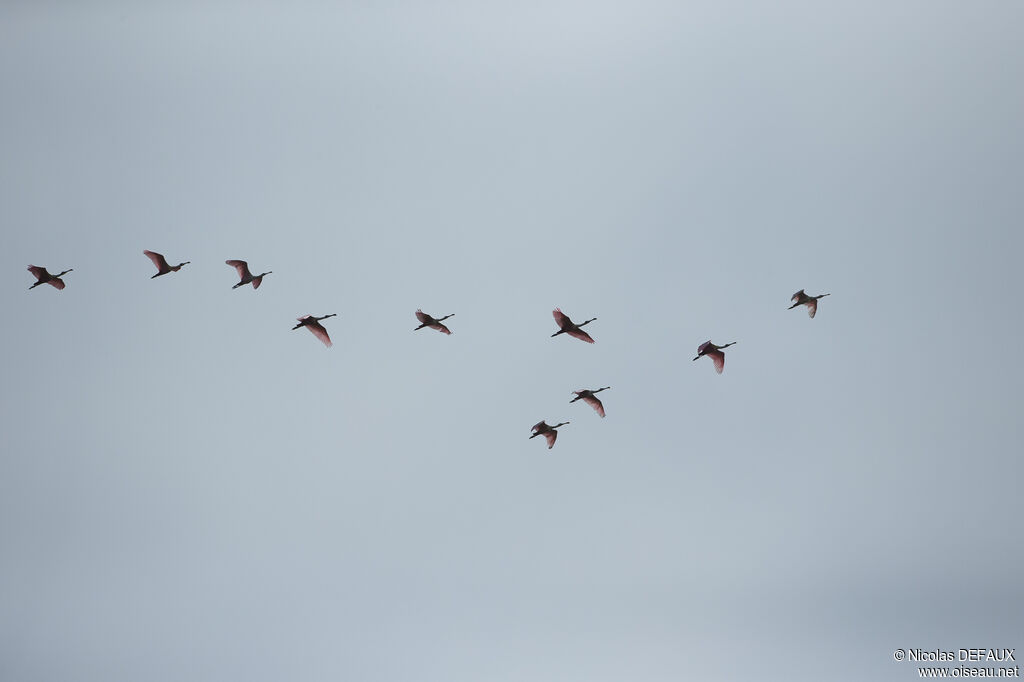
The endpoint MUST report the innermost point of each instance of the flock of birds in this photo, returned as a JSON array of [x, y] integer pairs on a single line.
[[565, 326]]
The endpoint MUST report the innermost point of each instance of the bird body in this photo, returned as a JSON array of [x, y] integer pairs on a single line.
[[44, 277], [550, 434], [589, 398], [569, 327], [313, 324], [428, 321], [714, 352], [800, 298], [244, 276], [162, 267]]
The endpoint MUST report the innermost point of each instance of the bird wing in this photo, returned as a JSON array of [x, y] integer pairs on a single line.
[[580, 334], [551, 436], [561, 318], [719, 358], [423, 317], [594, 402], [320, 333], [241, 267], [539, 426], [57, 282], [158, 260], [797, 295], [702, 349], [812, 308], [38, 272], [257, 281], [441, 328]]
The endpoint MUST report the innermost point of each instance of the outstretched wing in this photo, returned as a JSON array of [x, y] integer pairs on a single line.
[[257, 281], [241, 267], [158, 260], [812, 307], [561, 318], [441, 328], [580, 334], [38, 272], [702, 349], [551, 436], [539, 426], [595, 402], [57, 282], [719, 359], [320, 333], [423, 317]]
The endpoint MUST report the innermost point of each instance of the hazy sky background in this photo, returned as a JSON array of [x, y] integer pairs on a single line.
[[191, 491]]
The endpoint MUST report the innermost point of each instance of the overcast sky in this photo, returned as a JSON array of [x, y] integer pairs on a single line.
[[189, 490]]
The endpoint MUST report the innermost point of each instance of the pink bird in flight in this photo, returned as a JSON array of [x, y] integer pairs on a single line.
[[715, 353], [162, 267], [244, 276], [549, 432], [43, 277], [589, 398], [569, 327], [800, 298], [313, 324], [428, 321]]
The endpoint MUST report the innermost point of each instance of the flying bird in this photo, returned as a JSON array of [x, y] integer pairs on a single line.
[[43, 277], [800, 298], [589, 398], [245, 277], [714, 352], [569, 327], [313, 324], [549, 433], [162, 268], [428, 321]]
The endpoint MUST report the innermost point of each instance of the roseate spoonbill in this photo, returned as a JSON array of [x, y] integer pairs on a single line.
[[162, 268], [811, 302], [589, 398], [428, 321], [714, 352], [549, 433], [43, 277], [244, 275], [571, 328], [313, 324]]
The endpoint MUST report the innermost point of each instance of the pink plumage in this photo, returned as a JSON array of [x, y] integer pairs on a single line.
[[714, 352], [567, 326], [313, 325], [244, 276], [162, 266], [44, 277], [587, 396], [550, 434], [428, 321], [801, 298]]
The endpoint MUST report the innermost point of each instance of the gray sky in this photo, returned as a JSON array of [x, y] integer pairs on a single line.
[[190, 490]]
